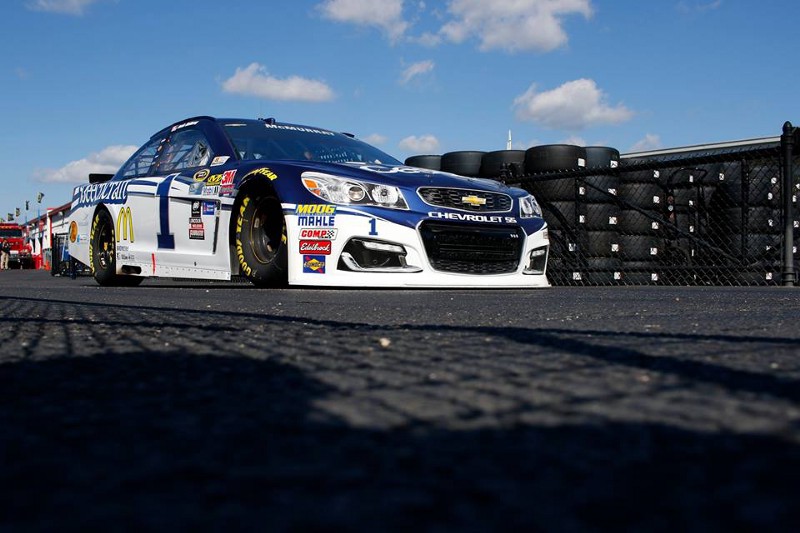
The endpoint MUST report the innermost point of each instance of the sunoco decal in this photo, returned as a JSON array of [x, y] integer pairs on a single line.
[[110, 192], [313, 264]]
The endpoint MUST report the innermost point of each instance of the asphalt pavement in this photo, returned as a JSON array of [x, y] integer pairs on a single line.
[[218, 406]]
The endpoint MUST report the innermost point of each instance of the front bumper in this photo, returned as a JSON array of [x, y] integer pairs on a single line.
[[366, 251]]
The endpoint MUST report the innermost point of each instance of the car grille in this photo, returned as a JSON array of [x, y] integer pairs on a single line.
[[481, 201], [472, 249]]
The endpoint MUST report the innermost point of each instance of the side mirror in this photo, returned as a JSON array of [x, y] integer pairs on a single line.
[[100, 178]]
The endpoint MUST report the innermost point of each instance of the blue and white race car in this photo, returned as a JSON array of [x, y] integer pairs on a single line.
[[278, 203]]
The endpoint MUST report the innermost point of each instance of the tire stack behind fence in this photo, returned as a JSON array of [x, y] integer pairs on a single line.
[[694, 217]]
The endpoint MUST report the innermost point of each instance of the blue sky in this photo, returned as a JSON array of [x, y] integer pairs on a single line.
[[85, 82]]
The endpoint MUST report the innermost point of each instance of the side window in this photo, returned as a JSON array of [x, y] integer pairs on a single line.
[[140, 163], [187, 148]]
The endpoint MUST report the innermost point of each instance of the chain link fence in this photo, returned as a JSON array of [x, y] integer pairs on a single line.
[[708, 216]]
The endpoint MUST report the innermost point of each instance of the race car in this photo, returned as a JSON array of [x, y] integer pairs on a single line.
[[279, 203]]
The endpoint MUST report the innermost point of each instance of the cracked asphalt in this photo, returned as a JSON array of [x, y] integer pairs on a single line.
[[218, 406]]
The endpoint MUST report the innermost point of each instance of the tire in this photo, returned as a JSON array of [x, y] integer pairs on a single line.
[[103, 253], [632, 222], [554, 190], [598, 217], [598, 189], [599, 244], [502, 162], [601, 271], [464, 163], [640, 248], [644, 195], [430, 162], [554, 157], [260, 237], [560, 215], [758, 220], [601, 157]]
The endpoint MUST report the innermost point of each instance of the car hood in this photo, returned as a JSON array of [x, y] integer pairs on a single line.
[[401, 176]]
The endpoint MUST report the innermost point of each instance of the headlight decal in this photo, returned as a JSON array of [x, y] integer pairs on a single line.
[[529, 207], [346, 191]]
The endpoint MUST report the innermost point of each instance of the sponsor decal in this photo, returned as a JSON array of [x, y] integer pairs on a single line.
[[124, 225], [197, 230], [196, 208], [227, 182], [184, 125], [316, 215], [313, 264], [298, 128], [473, 200], [110, 192], [315, 209], [318, 234], [211, 191], [219, 160], [243, 266], [465, 217], [263, 172], [315, 247], [196, 188], [209, 208], [201, 175], [73, 231]]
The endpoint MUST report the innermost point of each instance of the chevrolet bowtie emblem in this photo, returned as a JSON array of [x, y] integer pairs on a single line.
[[473, 200]]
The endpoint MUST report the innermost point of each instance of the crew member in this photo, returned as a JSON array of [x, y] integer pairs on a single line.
[[5, 254]]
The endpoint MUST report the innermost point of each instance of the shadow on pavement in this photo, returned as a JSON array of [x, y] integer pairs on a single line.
[[178, 442]]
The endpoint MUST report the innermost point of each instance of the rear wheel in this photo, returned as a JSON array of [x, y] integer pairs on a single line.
[[261, 240], [103, 253]]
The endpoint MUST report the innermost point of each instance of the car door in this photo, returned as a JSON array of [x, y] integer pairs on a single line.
[[186, 208]]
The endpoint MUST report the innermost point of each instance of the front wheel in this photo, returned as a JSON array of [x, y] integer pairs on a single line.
[[103, 251], [261, 240]]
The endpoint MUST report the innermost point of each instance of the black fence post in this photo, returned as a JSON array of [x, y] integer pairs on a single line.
[[788, 275]]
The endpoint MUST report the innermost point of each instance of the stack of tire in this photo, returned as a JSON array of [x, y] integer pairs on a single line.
[[746, 219], [500, 164], [598, 218], [581, 212], [689, 195], [642, 195]]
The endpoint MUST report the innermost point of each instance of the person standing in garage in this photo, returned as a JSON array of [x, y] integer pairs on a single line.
[[5, 253]]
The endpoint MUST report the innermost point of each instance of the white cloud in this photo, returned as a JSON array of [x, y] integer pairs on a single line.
[[573, 106], [254, 80], [106, 161], [387, 15], [375, 138], [424, 144], [649, 142], [698, 7], [67, 7], [416, 69], [574, 139], [513, 25]]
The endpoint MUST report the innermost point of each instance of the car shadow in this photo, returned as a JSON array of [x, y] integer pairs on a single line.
[[172, 440]]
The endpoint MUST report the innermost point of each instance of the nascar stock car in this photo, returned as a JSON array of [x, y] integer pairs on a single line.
[[277, 203]]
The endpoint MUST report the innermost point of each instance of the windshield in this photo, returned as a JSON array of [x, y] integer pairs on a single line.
[[11, 233], [260, 140]]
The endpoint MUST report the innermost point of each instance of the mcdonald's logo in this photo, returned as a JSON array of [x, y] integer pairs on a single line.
[[124, 224]]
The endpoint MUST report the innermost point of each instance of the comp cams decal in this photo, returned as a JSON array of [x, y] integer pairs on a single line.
[[318, 234]]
